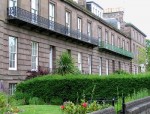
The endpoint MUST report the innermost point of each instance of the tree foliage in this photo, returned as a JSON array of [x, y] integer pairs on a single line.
[[148, 55], [66, 65], [141, 55]]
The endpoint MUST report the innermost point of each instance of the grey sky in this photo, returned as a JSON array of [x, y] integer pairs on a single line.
[[136, 12]]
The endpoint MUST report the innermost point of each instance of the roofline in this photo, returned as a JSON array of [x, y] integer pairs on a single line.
[[112, 12], [95, 4], [95, 17], [131, 25]]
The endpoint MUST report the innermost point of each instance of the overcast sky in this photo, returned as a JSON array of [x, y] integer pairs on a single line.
[[137, 12]]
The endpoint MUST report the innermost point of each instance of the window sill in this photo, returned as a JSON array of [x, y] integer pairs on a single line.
[[14, 69]]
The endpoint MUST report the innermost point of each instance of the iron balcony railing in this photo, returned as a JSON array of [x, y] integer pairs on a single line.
[[24, 16], [104, 45], [36, 20]]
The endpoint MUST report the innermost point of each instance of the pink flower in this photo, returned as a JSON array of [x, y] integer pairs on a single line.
[[84, 105], [62, 107]]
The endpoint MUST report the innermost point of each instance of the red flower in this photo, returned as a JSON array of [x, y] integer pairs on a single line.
[[62, 107], [84, 105]]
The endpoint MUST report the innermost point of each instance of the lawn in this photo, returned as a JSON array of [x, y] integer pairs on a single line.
[[40, 109]]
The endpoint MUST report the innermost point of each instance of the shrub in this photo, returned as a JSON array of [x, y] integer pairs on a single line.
[[36, 101], [82, 108], [12, 101], [67, 87], [120, 72], [22, 98], [41, 71], [6, 105], [66, 65], [3, 102], [56, 101]]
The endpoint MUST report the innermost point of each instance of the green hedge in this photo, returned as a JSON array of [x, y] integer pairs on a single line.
[[71, 87]]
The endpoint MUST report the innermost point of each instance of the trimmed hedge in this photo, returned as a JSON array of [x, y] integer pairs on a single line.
[[71, 87]]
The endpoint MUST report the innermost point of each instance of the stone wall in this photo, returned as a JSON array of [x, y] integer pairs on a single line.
[[141, 106], [109, 110]]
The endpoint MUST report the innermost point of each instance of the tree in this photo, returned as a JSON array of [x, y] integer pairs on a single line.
[[141, 55], [148, 55], [65, 64]]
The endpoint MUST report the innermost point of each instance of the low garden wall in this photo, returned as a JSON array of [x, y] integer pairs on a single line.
[[109, 110], [141, 106]]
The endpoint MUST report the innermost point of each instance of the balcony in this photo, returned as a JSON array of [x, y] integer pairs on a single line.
[[115, 49], [31, 21]]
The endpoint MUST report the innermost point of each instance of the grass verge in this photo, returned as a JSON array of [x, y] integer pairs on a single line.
[[40, 109]]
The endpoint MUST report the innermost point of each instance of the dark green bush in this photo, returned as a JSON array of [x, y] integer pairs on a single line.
[[67, 87], [56, 101], [22, 98], [121, 72], [36, 101]]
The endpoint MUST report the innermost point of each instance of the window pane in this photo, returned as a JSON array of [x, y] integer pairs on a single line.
[[100, 66], [89, 29], [51, 11], [34, 58], [106, 36], [12, 88], [12, 52], [79, 61], [12, 3]]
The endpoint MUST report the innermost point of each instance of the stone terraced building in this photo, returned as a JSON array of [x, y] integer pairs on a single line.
[[35, 32]]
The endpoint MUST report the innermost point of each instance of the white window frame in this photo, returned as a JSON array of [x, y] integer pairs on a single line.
[[79, 27], [99, 34], [106, 37], [89, 29], [14, 53], [123, 66], [134, 50], [127, 46], [107, 67], [12, 4], [112, 40], [34, 55], [51, 15], [118, 41], [68, 22], [51, 58], [90, 63], [12, 88], [128, 67], [34, 10], [80, 61], [123, 44], [100, 66]]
